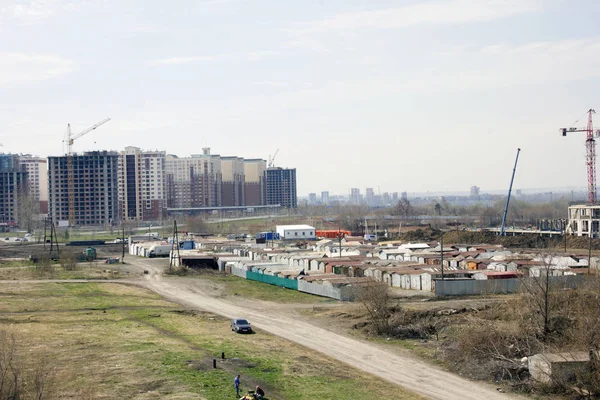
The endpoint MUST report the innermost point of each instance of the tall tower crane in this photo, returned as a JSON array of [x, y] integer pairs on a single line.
[[590, 158], [69, 139]]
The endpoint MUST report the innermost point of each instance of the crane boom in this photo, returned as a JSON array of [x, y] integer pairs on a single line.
[[512, 179], [272, 159], [71, 138]]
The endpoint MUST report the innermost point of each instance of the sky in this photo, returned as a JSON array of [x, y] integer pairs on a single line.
[[431, 95]]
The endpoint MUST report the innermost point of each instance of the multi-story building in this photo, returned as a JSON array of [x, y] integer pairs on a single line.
[[142, 185], [255, 179], [96, 195], [281, 187], [194, 181], [233, 187], [325, 197], [355, 196], [370, 196], [13, 189], [584, 220], [37, 176]]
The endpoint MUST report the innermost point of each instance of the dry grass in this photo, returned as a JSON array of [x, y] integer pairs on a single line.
[[110, 341]]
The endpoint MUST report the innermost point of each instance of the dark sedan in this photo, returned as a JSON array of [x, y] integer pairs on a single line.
[[240, 325]]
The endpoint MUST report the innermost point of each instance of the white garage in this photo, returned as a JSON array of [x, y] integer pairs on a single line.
[[296, 232]]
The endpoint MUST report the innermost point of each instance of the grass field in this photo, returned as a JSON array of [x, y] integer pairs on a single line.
[[110, 341], [25, 270]]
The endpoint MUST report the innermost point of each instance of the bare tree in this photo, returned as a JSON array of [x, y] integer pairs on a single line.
[[68, 260], [28, 210], [375, 298]]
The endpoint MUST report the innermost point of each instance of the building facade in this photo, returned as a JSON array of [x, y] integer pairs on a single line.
[[14, 188], [37, 176], [233, 187], [255, 182], [194, 181], [584, 220], [142, 185], [281, 187], [96, 192]]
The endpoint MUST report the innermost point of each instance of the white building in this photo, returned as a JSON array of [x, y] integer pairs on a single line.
[[584, 220], [296, 232], [37, 178]]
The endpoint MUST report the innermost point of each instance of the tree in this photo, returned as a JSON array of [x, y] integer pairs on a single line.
[[28, 212], [403, 207], [438, 209], [375, 298]]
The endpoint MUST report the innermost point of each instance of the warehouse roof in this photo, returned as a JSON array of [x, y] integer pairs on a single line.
[[291, 227]]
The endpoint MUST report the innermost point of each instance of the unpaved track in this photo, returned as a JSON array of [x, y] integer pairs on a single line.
[[413, 374]]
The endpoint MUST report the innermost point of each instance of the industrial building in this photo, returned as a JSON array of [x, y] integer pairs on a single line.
[[584, 220], [37, 180], [95, 184], [142, 185], [13, 188], [255, 182], [233, 186], [291, 232], [281, 187], [194, 181]]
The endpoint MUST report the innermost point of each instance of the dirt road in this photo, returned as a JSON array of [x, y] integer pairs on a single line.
[[413, 374]]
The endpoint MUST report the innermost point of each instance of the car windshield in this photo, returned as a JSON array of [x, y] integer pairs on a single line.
[[242, 322]]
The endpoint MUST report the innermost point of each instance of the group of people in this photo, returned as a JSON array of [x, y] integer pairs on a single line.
[[258, 394]]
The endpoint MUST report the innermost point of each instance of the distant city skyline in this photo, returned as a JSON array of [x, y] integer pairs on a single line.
[[432, 94]]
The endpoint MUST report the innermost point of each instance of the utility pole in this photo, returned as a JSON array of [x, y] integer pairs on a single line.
[[590, 253], [442, 253], [123, 243]]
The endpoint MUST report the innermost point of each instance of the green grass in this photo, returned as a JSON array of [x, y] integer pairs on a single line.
[[235, 286], [113, 341]]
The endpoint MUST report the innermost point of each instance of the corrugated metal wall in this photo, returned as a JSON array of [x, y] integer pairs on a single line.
[[477, 287], [272, 280]]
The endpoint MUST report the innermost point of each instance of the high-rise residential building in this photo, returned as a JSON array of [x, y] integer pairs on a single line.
[[281, 187], [233, 186], [255, 182], [142, 185], [13, 189], [37, 177], [386, 199], [355, 196], [325, 197], [312, 198], [404, 195], [193, 181], [370, 197], [95, 177], [395, 197]]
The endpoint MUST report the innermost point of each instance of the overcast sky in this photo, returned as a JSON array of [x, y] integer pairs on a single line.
[[397, 95]]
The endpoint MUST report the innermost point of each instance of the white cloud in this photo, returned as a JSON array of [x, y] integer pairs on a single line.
[[433, 12], [29, 11], [251, 56], [20, 67]]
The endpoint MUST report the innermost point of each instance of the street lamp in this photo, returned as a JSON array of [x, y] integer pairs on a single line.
[[150, 227]]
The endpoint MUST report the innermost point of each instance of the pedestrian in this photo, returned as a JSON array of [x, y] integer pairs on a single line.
[[236, 385]]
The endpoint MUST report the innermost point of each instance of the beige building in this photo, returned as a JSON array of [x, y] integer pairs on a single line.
[[255, 177], [193, 181], [233, 181], [142, 185], [584, 220], [37, 179]]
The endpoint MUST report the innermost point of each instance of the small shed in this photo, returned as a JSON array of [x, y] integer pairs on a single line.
[[296, 232], [564, 367]]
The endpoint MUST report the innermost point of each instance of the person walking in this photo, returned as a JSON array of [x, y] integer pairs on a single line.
[[236, 385]]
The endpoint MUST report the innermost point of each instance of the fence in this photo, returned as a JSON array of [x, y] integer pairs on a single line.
[[238, 272], [272, 280], [497, 286]]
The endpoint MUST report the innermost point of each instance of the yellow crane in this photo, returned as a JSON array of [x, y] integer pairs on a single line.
[[69, 139]]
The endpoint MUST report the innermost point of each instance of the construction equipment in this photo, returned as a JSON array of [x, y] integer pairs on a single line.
[[272, 159], [69, 139], [590, 145], [502, 233]]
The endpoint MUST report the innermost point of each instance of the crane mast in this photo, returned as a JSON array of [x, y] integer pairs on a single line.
[[70, 139], [590, 157]]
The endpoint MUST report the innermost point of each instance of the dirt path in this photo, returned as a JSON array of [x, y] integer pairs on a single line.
[[404, 370]]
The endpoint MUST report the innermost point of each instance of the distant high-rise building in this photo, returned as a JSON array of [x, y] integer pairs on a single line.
[[37, 178], [355, 196], [325, 197], [14, 187], [395, 197], [404, 195], [232, 189], [96, 200], [193, 181], [475, 191], [255, 182], [142, 185], [370, 197], [281, 187], [312, 198], [386, 199]]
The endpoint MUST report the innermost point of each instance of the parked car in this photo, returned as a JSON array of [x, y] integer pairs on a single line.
[[7, 238], [17, 239], [239, 325]]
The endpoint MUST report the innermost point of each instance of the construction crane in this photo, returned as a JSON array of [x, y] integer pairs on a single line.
[[512, 179], [590, 158], [272, 159], [69, 139]]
